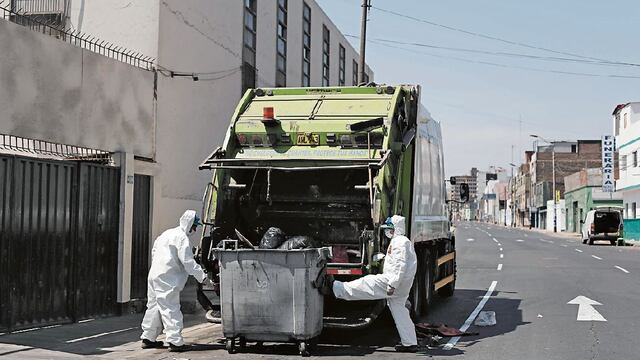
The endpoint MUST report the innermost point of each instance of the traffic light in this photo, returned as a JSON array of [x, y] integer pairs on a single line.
[[464, 192]]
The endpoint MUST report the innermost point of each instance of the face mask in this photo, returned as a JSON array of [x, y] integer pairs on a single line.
[[388, 233]]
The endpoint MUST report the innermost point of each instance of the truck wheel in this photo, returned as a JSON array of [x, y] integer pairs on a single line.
[[231, 345], [415, 297], [584, 241], [590, 241], [302, 348], [427, 282], [613, 242]]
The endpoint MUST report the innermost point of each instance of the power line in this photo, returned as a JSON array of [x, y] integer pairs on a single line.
[[508, 54], [495, 38], [505, 65]]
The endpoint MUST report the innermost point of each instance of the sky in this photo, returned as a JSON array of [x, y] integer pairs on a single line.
[[487, 111]]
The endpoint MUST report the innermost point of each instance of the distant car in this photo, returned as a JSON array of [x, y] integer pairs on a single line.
[[602, 224]]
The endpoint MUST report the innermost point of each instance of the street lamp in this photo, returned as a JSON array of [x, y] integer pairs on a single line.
[[513, 197], [553, 172]]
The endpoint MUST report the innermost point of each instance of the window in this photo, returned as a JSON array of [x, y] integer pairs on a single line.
[[341, 66], [624, 116], [617, 124], [626, 210], [623, 162], [634, 157], [249, 46], [281, 44], [326, 53], [574, 148], [306, 45], [633, 210], [355, 73]]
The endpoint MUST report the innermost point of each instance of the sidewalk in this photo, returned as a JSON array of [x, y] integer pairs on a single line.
[[110, 338]]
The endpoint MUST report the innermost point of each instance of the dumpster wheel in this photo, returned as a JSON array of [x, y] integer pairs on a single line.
[[303, 347], [231, 345]]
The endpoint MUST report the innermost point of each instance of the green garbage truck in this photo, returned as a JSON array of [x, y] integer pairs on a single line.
[[332, 164]]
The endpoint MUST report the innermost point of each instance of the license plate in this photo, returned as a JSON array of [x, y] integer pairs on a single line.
[[308, 139]]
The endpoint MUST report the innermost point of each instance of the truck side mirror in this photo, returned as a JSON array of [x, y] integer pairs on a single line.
[[452, 180], [464, 192]]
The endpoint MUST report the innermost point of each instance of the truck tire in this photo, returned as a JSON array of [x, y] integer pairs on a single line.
[[417, 290], [590, 241], [427, 280]]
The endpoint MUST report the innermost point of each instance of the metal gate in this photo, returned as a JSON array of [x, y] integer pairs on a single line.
[[57, 246], [141, 236], [96, 249]]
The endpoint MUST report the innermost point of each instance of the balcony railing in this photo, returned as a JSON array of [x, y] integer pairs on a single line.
[[40, 7]]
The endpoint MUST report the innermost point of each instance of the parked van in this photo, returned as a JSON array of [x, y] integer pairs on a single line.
[[602, 224]]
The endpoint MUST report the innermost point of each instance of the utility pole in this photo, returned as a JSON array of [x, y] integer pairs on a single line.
[[366, 4]]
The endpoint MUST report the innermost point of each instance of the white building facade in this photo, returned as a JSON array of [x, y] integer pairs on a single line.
[[162, 121], [626, 129]]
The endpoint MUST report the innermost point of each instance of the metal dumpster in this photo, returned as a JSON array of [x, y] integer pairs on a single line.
[[271, 295]]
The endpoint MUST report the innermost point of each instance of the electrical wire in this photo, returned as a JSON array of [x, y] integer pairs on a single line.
[[495, 38], [506, 65]]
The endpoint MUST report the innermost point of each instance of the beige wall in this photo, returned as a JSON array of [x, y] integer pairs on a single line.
[[51, 90]]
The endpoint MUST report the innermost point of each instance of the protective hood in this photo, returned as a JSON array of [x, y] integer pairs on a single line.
[[186, 220], [398, 225]]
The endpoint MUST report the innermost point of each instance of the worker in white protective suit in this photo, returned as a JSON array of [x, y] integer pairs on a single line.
[[172, 263], [393, 284]]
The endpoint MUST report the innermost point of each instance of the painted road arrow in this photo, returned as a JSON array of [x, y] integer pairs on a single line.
[[586, 311]]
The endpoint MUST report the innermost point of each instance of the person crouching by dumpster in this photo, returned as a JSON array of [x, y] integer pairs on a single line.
[[393, 284], [172, 263]]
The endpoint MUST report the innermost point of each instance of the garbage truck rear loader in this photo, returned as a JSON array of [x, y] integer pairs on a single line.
[[332, 164]]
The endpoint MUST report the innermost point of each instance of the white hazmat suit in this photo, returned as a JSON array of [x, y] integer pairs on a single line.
[[400, 266], [172, 263]]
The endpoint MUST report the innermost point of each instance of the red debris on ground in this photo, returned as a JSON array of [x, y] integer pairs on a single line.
[[425, 329]]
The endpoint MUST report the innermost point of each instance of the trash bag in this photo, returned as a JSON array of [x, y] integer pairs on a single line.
[[298, 242], [273, 238]]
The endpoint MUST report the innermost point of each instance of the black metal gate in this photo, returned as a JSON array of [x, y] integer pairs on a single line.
[[58, 239], [141, 236]]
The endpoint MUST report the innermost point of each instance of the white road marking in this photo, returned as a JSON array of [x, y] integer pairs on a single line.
[[578, 250], [501, 256], [499, 267], [499, 244], [470, 239], [596, 257], [622, 269], [494, 239], [500, 248], [84, 321], [99, 335], [565, 245], [519, 240], [586, 311], [472, 316]]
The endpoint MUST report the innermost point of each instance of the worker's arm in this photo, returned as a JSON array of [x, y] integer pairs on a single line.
[[186, 257], [399, 255]]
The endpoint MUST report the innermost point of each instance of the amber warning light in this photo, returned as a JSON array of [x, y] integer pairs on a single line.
[[267, 113], [268, 116]]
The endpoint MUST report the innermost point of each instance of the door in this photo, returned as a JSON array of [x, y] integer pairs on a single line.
[[141, 236], [96, 245], [38, 215]]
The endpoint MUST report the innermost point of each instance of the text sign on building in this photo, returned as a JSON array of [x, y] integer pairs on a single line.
[[608, 146]]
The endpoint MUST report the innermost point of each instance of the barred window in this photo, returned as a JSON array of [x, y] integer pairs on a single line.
[[326, 55], [355, 73], [306, 45], [342, 65], [249, 45], [281, 44]]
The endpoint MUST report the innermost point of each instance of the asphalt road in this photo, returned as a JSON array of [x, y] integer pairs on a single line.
[[534, 274]]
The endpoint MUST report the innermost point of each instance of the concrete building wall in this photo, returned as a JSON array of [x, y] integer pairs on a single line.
[[51, 90], [132, 24]]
